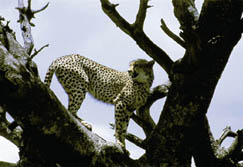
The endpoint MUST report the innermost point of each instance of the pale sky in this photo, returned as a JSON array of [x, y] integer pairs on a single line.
[[82, 27]]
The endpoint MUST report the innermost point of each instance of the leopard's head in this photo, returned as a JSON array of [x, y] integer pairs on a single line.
[[141, 71]]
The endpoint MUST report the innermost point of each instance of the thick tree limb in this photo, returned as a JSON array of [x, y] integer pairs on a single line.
[[193, 85], [226, 13], [135, 31]]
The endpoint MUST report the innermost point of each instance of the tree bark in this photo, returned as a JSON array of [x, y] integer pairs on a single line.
[[194, 79], [53, 137]]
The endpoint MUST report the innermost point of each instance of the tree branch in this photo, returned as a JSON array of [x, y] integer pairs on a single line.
[[25, 27], [135, 32], [136, 140], [7, 164], [186, 13], [141, 15], [234, 152], [110, 10], [132, 138], [25, 16], [38, 51], [172, 35], [41, 116], [41, 9], [12, 135], [226, 133], [210, 151], [143, 117]]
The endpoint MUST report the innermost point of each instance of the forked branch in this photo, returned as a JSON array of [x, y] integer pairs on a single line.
[[135, 31], [234, 152], [141, 15], [25, 16]]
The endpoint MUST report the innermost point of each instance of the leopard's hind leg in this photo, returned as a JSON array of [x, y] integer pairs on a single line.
[[76, 86]]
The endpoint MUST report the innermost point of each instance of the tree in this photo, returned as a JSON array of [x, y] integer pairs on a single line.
[[208, 39]]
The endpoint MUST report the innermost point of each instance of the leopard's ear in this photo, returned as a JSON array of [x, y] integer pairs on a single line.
[[151, 63]]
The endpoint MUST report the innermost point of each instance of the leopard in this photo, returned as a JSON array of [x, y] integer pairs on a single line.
[[126, 90]]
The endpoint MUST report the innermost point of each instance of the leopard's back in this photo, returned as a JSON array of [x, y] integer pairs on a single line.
[[102, 82]]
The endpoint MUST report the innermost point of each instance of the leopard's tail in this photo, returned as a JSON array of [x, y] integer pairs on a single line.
[[51, 70]]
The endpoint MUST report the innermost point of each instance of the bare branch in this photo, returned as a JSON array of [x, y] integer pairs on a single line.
[[173, 36], [40, 10], [146, 125], [28, 12], [38, 51], [25, 27], [226, 133], [25, 16], [141, 15], [135, 140], [136, 33], [235, 150], [110, 10]]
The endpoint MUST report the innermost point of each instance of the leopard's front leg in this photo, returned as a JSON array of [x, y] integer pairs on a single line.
[[122, 117]]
